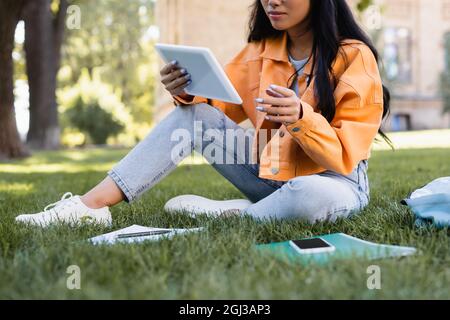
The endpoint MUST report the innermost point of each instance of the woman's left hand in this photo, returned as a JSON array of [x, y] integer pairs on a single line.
[[284, 105]]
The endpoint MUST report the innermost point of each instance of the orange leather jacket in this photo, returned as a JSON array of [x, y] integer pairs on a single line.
[[312, 144]]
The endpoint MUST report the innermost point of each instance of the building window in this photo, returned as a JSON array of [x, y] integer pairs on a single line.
[[397, 54], [401, 122], [445, 76]]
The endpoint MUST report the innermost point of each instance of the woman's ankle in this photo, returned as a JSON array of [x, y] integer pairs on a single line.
[[105, 194], [92, 203]]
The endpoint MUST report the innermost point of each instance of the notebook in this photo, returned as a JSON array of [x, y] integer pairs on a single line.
[[346, 247], [160, 233]]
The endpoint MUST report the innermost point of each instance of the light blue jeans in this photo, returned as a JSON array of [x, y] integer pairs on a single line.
[[323, 196]]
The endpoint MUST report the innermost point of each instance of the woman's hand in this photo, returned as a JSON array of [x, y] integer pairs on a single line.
[[285, 107], [175, 79]]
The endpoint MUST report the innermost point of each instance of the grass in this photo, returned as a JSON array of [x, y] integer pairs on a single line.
[[221, 262]]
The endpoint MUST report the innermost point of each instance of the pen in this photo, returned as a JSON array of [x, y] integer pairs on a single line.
[[142, 234]]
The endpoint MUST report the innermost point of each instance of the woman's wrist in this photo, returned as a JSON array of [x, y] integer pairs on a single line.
[[186, 96]]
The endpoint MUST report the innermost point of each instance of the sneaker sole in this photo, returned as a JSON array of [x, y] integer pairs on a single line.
[[105, 221], [197, 205]]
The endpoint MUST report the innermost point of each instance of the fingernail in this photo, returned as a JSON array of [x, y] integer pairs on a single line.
[[259, 108], [183, 71], [267, 118], [273, 86], [189, 82], [174, 62], [187, 76], [259, 100]]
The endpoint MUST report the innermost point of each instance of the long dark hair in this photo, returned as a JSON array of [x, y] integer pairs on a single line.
[[331, 21]]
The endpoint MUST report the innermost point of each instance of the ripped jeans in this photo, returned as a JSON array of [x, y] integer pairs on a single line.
[[318, 197]]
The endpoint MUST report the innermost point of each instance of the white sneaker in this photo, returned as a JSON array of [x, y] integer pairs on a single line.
[[197, 205], [69, 210]]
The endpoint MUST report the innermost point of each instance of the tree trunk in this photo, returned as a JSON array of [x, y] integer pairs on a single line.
[[10, 144], [43, 40]]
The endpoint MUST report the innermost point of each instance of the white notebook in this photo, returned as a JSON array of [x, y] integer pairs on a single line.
[[113, 237]]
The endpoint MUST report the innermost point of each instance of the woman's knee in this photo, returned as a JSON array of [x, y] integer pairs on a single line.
[[204, 111], [315, 198], [201, 114]]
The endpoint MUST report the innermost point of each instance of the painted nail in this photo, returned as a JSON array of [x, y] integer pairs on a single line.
[[259, 108], [260, 100]]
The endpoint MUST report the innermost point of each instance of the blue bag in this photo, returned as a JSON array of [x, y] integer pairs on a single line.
[[431, 203]]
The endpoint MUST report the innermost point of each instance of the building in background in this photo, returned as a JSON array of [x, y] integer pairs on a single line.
[[410, 35]]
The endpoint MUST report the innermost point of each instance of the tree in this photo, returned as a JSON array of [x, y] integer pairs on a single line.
[[44, 32], [10, 144]]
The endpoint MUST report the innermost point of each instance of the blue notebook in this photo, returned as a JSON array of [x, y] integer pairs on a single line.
[[347, 247]]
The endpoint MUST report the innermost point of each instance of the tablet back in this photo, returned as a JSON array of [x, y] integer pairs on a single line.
[[209, 80]]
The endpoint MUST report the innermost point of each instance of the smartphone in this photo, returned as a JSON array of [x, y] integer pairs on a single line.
[[308, 246]]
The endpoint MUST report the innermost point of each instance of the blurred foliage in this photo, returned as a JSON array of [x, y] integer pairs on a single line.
[[445, 77], [115, 46], [363, 5], [90, 118], [93, 108]]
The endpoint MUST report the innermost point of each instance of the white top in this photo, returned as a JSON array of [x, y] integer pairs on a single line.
[[299, 65]]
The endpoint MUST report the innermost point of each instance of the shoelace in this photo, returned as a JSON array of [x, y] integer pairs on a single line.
[[52, 206]]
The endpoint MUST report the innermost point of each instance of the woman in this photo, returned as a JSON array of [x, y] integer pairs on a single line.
[[310, 84]]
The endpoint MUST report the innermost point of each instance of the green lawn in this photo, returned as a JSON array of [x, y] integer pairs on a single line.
[[220, 262]]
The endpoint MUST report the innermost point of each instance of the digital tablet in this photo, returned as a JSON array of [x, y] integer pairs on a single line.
[[209, 80]]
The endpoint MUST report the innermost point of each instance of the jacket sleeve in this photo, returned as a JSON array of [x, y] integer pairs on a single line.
[[341, 144], [236, 74]]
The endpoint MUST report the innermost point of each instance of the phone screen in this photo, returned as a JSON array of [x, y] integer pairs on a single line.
[[311, 243]]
